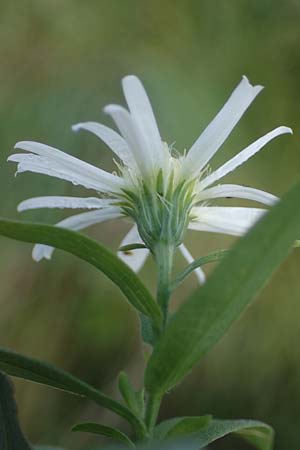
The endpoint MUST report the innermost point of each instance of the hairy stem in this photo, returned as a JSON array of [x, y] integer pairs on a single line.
[[152, 411], [164, 255]]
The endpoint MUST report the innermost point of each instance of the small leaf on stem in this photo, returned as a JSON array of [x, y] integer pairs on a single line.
[[103, 430]]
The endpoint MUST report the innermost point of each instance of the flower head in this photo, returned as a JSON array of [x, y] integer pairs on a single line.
[[164, 194]]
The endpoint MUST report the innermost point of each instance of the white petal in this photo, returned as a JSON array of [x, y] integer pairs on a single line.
[[38, 164], [143, 117], [76, 223], [112, 139], [64, 202], [40, 252], [50, 161], [226, 220], [135, 259], [198, 272], [221, 126], [236, 191], [243, 156], [132, 135]]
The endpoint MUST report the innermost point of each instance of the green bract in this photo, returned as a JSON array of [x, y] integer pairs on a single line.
[[162, 213]]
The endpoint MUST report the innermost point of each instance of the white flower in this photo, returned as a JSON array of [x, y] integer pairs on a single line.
[[159, 190]]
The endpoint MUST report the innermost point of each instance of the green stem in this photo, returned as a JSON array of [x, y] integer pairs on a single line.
[[164, 255], [152, 410]]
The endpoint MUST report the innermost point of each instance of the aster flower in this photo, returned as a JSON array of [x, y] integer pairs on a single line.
[[163, 193]]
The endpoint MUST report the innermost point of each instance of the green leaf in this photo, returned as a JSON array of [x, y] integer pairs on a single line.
[[209, 312], [211, 257], [181, 426], [11, 436], [103, 430], [130, 247], [202, 431], [37, 371], [146, 328], [92, 252], [134, 400], [257, 433]]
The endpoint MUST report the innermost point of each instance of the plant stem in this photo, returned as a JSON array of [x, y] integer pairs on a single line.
[[164, 254], [153, 405]]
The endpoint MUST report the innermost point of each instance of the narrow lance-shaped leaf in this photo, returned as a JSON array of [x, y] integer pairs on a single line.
[[257, 433], [37, 371], [210, 311], [96, 428], [11, 436], [181, 426], [133, 399], [202, 431], [92, 252], [199, 262]]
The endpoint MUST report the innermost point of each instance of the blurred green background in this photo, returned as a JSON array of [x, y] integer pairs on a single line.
[[61, 62]]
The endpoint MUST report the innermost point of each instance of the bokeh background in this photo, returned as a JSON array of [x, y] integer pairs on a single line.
[[61, 62]]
